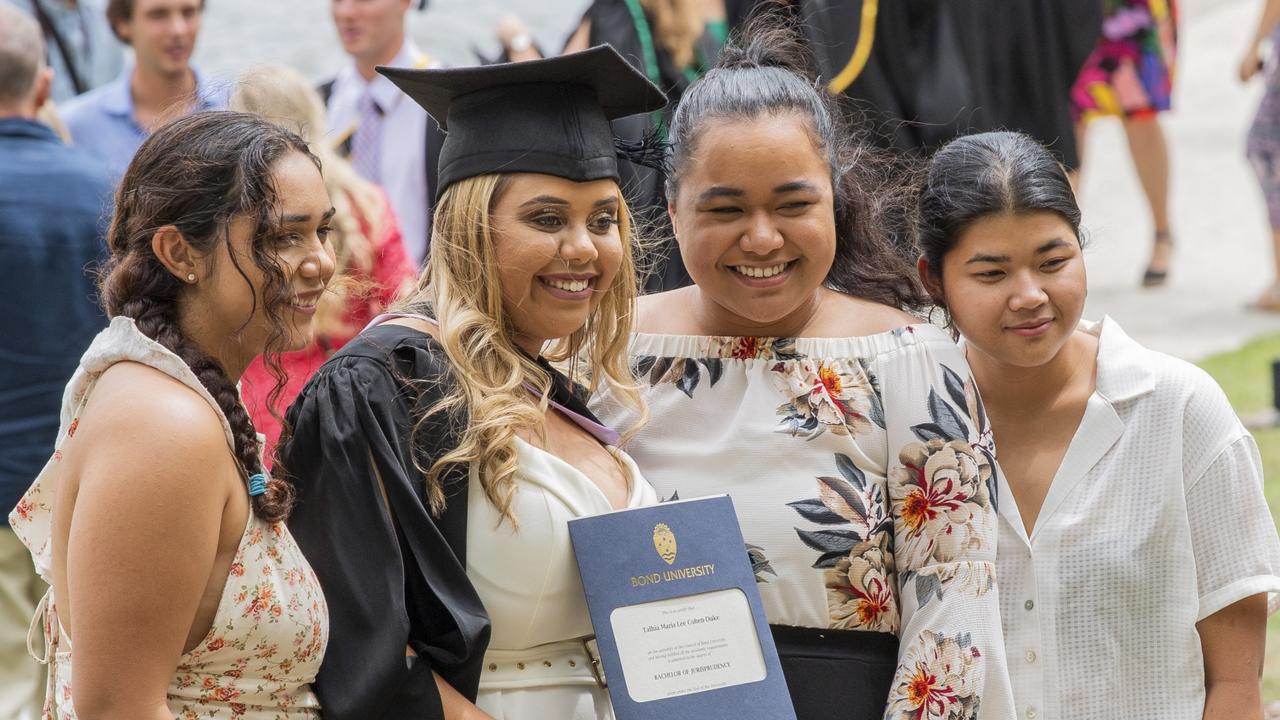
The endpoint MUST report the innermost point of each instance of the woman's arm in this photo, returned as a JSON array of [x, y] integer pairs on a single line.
[[1237, 562], [457, 707], [1234, 641], [143, 536], [1251, 63]]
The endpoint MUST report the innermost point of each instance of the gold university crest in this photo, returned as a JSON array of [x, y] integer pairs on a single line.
[[664, 541]]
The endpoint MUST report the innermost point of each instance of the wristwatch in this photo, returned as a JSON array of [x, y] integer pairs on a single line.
[[520, 43]]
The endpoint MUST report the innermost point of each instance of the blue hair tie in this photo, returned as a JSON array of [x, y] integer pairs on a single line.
[[257, 484]]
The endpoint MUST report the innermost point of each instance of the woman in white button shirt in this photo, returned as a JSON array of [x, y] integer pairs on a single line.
[[1137, 559]]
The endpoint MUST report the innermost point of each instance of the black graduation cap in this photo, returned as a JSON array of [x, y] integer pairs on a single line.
[[545, 116]]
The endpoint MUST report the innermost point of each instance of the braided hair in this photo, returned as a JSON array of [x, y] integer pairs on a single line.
[[198, 174]]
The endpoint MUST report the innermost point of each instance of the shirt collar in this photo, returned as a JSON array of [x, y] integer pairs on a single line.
[[385, 93], [117, 95], [22, 127], [1124, 370]]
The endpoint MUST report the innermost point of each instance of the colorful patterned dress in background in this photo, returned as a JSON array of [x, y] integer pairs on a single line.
[[1130, 72], [1263, 143]]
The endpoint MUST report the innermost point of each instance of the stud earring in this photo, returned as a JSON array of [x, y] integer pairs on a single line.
[[191, 277]]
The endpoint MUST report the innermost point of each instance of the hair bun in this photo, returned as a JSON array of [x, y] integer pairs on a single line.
[[770, 39]]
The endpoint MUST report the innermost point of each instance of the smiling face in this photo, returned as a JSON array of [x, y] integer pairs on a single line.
[[1015, 286], [558, 249], [754, 218], [163, 33], [231, 291]]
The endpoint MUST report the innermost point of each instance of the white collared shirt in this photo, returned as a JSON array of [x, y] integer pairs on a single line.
[[402, 156], [1154, 521]]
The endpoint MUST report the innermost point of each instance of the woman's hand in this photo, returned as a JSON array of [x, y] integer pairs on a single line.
[[1251, 64], [516, 39]]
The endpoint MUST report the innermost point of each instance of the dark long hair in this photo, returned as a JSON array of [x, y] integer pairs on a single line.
[[198, 174], [765, 71], [975, 176]]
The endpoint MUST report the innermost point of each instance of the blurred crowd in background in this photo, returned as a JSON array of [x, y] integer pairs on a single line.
[[915, 73]]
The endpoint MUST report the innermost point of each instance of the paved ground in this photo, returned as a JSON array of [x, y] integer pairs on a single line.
[[1219, 220], [1223, 247]]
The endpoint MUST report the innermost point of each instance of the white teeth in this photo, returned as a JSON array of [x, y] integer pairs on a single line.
[[574, 286], [758, 272]]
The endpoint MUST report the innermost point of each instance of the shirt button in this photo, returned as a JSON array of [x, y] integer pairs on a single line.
[[1031, 656], [1031, 713], [1029, 605]]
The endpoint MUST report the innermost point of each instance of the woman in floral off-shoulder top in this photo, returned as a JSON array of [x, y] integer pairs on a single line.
[[847, 433]]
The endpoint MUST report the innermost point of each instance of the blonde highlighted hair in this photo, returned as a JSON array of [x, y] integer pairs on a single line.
[[280, 94], [490, 372]]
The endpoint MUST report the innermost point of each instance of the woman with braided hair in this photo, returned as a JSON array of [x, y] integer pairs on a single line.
[[154, 523]]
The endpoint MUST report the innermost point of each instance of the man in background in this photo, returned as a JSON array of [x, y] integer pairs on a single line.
[[388, 138], [52, 223], [112, 121], [79, 45]]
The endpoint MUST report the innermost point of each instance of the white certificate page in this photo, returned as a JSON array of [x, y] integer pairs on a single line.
[[688, 644]]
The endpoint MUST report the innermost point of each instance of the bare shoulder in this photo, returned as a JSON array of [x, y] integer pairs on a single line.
[[848, 316], [665, 313], [146, 428]]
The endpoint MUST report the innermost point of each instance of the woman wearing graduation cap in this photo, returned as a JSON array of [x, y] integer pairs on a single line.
[[438, 457]]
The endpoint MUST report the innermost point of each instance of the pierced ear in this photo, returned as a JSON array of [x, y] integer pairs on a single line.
[[176, 254], [932, 284]]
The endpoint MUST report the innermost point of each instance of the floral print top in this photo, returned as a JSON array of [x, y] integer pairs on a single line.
[[863, 474], [271, 625]]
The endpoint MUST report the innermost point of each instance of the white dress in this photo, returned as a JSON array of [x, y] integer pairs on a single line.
[[1154, 520], [271, 625], [862, 474], [536, 667]]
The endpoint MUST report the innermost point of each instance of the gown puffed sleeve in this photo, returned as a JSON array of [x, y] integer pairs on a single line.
[[394, 576], [942, 488]]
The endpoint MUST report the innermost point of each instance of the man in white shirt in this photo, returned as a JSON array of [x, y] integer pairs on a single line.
[[388, 138]]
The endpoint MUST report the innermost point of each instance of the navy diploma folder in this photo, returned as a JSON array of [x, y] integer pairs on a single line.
[[681, 630]]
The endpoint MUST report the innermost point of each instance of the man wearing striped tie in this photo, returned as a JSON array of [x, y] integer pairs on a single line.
[[389, 139]]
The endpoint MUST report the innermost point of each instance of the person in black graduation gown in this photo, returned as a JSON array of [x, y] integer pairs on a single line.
[[924, 71], [384, 525]]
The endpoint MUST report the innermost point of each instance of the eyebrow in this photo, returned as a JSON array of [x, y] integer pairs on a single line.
[[982, 258], [545, 200], [297, 218], [719, 191], [561, 202], [794, 186]]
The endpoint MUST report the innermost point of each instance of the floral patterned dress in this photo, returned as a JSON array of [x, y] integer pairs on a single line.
[[864, 480], [271, 625]]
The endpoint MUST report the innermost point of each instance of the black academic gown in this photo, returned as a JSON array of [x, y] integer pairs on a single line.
[[943, 68], [387, 586]]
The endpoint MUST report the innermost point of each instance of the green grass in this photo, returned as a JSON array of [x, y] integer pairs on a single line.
[[1245, 375]]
